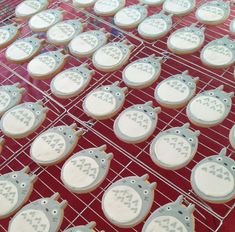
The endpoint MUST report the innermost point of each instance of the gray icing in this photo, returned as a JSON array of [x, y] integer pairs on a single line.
[[142, 72], [232, 136], [155, 26], [8, 33], [105, 101], [86, 170], [174, 148], [83, 3], [152, 2], [210, 107], [71, 82], [176, 91], [136, 123], [42, 215], [213, 178], [128, 201], [173, 217], [22, 120], [15, 189], [10, 96], [86, 228], [219, 53], [54, 144]]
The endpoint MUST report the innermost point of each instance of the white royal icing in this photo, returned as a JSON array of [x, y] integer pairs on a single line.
[[28, 7], [210, 13], [177, 6], [105, 6], [5, 99], [127, 16], [42, 20], [4, 36]]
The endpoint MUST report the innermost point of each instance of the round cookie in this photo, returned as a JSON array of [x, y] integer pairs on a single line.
[[105, 101], [128, 201], [15, 189], [54, 145], [42, 21], [213, 178], [232, 137], [155, 26], [142, 72], [86, 43], [83, 3], [174, 216], [136, 123], [86, 170], [10, 96], [28, 8], [210, 108], [90, 227], [213, 12], [23, 50], [219, 53], [186, 40], [179, 7], [174, 148], [71, 82], [176, 91], [108, 8], [45, 215], [112, 56], [47, 65], [61, 33], [22, 120], [232, 27], [131, 16], [152, 2]]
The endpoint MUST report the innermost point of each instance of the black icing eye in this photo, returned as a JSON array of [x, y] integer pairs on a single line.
[[23, 185], [219, 159], [211, 94], [54, 211], [106, 88], [30, 105], [90, 152], [151, 113], [14, 93], [177, 132], [225, 100], [146, 192], [140, 107], [190, 140], [14, 176], [168, 208], [233, 168], [70, 136], [43, 202], [186, 218], [132, 181], [118, 94], [60, 128], [190, 83], [103, 161], [38, 112]]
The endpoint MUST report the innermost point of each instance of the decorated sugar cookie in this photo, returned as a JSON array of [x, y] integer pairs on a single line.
[[210, 108], [186, 40], [86, 170], [23, 50], [152, 2], [112, 56], [213, 12], [15, 189], [47, 64], [2, 142], [155, 26], [55, 144], [86, 228], [232, 27], [44, 20], [28, 8], [143, 72], [22, 120], [108, 8], [71, 82], [172, 217], [179, 7], [10, 96], [232, 136], [213, 178], [83, 3], [174, 148], [130, 16], [176, 91], [219, 53], [86, 43], [128, 201], [136, 123], [105, 101], [43, 215], [62, 32]]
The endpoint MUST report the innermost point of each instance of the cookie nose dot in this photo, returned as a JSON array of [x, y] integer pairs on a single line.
[[139, 186], [47, 209], [180, 212], [225, 164], [17, 182], [217, 96], [184, 136], [145, 111]]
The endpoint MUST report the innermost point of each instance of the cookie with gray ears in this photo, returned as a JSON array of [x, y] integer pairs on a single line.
[[210, 107], [174, 148], [176, 91], [45, 214], [90, 227], [86, 170], [83, 3], [186, 40], [142, 72], [219, 53], [105, 101], [213, 12], [232, 27], [112, 56], [127, 201], [10, 96], [15, 189], [86, 43], [232, 137], [155, 26], [55, 144], [174, 216], [136, 123], [152, 2], [213, 178], [71, 82], [22, 120]]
